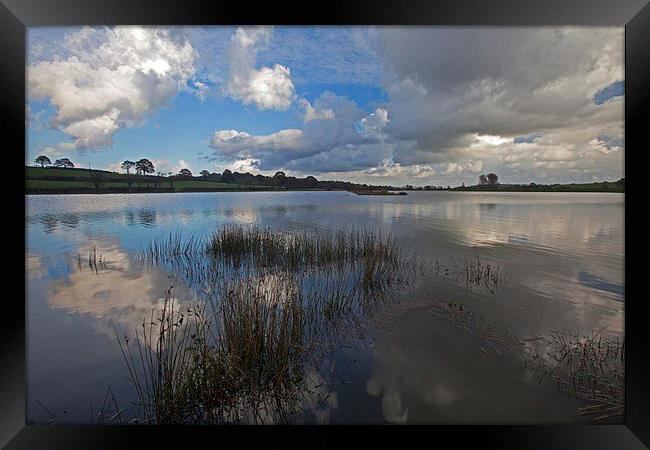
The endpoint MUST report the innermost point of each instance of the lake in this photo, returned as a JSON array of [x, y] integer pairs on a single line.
[[560, 258]]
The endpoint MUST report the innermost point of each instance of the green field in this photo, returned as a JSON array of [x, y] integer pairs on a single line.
[[617, 186], [54, 181], [50, 180]]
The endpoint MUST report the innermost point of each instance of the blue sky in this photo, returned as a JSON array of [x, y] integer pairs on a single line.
[[432, 105]]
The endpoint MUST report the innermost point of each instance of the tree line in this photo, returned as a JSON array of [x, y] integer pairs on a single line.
[[45, 161], [136, 171]]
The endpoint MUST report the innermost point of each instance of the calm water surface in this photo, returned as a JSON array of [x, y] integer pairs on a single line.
[[561, 253]]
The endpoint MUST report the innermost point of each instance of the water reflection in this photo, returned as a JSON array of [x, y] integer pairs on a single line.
[[147, 217], [121, 293], [34, 267], [563, 256], [433, 366], [129, 216], [596, 282]]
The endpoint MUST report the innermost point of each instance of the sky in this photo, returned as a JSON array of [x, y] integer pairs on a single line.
[[377, 105]]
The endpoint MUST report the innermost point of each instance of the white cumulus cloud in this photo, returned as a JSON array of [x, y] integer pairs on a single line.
[[316, 113], [374, 124], [111, 78], [266, 87]]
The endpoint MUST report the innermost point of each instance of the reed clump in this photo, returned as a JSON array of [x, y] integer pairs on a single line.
[[475, 273], [241, 360], [174, 245], [271, 302], [268, 248], [234, 250]]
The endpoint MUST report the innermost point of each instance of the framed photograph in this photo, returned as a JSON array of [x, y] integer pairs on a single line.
[[290, 225]]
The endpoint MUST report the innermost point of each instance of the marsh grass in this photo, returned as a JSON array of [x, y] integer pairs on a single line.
[[273, 306], [243, 362], [299, 250], [164, 351], [589, 368], [238, 252], [174, 245], [473, 273]]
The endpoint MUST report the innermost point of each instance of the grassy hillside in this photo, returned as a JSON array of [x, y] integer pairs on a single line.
[[604, 186], [71, 181], [50, 180]]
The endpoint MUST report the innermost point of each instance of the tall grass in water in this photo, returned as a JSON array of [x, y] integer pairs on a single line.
[[175, 245], [266, 248], [269, 248], [233, 250], [242, 360], [273, 302], [475, 273], [165, 348]]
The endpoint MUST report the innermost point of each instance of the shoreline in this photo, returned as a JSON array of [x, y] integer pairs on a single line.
[[390, 193], [163, 191]]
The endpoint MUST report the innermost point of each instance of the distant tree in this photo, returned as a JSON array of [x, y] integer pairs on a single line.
[[279, 179], [493, 179], [144, 166], [127, 165], [185, 173], [43, 161], [204, 173], [63, 162], [482, 180], [311, 181], [226, 176]]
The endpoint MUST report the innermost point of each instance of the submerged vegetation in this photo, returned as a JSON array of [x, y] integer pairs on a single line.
[[490, 341], [589, 368]]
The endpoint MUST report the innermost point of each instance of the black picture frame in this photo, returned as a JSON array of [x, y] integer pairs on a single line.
[[16, 15]]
